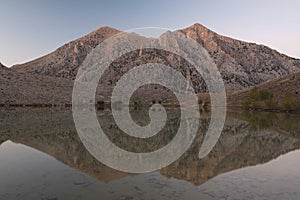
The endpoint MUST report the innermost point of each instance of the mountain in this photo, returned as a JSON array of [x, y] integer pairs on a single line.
[[241, 64], [24, 85], [2, 67], [64, 61], [49, 79]]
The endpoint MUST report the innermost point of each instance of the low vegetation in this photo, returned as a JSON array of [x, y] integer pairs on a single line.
[[264, 99], [100, 105]]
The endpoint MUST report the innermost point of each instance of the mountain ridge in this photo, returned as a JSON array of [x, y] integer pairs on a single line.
[[66, 66], [240, 61], [241, 64], [2, 67]]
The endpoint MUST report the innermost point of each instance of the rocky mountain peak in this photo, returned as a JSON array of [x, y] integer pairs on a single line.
[[65, 60], [241, 64], [199, 27], [101, 32]]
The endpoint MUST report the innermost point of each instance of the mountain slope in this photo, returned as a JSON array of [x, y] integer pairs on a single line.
[[279, 89], [242, 64], [64, 61], [2, 67], [23, 88]]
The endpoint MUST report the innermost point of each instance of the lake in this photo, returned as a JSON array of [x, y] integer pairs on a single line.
[[42, 157]]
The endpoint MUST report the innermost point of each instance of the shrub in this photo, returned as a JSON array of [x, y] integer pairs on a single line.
[[264, 95], [200, 101], [100, 105], [136, 105], [253, 96], [259, 98], [289, 102], [246, 104], [270, 104]]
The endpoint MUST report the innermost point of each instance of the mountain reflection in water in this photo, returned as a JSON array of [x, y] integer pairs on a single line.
[[33, 140]]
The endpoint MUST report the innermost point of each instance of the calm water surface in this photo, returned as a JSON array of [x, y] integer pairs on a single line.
[[41, 157]]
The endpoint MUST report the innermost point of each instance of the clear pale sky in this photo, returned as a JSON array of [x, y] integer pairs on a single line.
[[32, 28]]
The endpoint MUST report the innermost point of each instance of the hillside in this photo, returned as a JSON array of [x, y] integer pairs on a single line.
[[22, 88], [2, 67], [64, 61], [241, 64], [49, 79], [285, 93]]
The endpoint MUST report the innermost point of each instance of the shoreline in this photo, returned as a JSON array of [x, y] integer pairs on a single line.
[[108, 105], [240, 108]]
